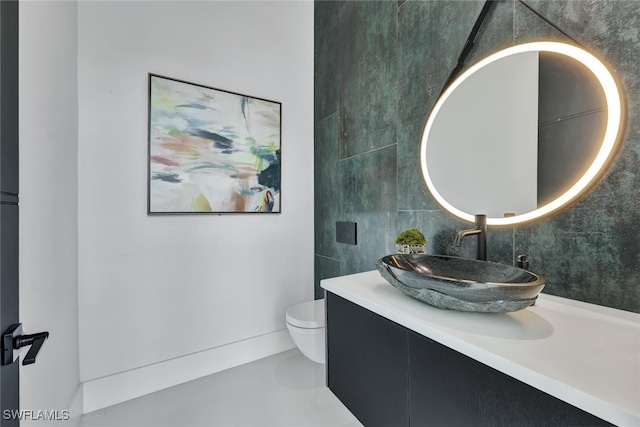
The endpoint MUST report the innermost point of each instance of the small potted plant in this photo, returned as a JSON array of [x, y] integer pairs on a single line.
[[411, 241]]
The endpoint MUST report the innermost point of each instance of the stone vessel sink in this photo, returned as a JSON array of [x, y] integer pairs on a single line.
[[461, 284]]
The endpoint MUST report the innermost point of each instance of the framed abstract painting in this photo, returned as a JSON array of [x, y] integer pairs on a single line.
[[211, 150]]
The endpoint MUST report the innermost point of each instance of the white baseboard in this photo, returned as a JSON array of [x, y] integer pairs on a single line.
[[107, 391]]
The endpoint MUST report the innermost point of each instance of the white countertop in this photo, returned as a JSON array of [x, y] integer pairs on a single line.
[[584, 354]]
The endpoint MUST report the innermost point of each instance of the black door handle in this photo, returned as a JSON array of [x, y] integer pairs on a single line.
[[13, 339], [35, 341]]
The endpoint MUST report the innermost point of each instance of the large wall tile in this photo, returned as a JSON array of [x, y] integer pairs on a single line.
[[326, 59], [368, 93], [328, 185], [371, 197]]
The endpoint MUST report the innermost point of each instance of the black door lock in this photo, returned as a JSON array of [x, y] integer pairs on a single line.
[[13, 340]]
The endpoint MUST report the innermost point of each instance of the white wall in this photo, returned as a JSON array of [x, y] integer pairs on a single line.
[[160, 294], [48, 202]]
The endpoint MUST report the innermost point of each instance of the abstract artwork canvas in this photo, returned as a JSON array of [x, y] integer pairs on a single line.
[[211, 150]]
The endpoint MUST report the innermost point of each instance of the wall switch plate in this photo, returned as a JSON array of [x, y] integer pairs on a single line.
[[347, 232]]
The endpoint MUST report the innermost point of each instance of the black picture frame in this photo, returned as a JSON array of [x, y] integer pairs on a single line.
[[211, 150]]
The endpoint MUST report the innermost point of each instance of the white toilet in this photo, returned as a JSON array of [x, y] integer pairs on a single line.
[[305, 322]]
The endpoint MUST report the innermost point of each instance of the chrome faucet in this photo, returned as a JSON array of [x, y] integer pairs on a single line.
[[481, 237]]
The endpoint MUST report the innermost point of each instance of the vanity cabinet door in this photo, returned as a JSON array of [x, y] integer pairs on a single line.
[[448, 388], [367, 363]]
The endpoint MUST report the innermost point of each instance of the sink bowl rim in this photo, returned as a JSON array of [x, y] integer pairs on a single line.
[[539, 279]]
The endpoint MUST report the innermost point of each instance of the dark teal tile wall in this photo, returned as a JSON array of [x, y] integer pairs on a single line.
[[380, 66], [368, 82], [326, 59]]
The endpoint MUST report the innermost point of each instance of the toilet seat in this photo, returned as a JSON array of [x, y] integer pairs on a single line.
[[307, 315]]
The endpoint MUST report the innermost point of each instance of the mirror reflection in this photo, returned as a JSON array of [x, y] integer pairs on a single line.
[[521, 133], [572, 119]]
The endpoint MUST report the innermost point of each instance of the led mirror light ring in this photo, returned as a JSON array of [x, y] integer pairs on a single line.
[[614, 119]]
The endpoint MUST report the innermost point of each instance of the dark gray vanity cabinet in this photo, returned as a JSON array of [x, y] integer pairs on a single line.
[[388, 375], [367, 363], [448, 388]]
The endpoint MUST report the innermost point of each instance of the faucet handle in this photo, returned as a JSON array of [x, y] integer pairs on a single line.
[[480, 220], [522, 261]]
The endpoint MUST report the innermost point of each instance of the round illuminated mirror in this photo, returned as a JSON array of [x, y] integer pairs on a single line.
[[521, 133]]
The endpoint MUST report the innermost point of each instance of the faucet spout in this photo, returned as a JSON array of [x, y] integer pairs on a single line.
[[464, 233], [481, 241]]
